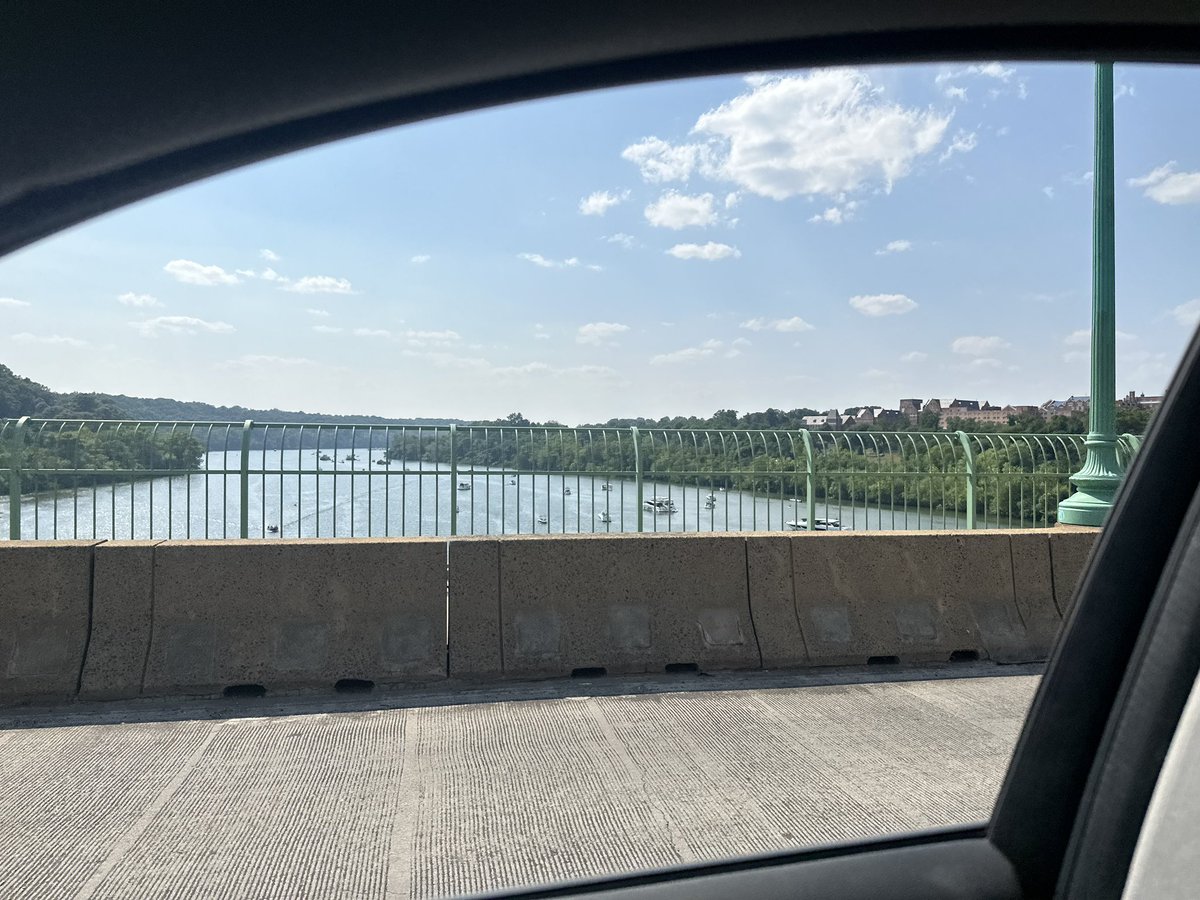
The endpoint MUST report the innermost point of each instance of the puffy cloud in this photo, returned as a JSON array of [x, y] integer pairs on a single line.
[[269, 274], [1187, 314], [143, 300], [660, 161], [883, 304], [674, 210], [827, 133], [974, 345], [571, 263], [894, 247], [710, 251], [190, 272], [599, 332], [13, 301], [269, 255], [914, 356], [320, 284], [320, 313], [687, 354], [1049, 192], [621, 238], [25, 337], [794, 324], [420, 258], [180, 325], [988, 70], [836, 215], [600, 202], [1166, 185]]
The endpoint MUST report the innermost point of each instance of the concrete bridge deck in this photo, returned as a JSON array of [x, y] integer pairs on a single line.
[[429, 794]]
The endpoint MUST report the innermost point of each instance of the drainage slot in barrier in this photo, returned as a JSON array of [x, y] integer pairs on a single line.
[[354, 686], [682, 667], [883, 660], [964, 656], [589, 672], [244, 690]]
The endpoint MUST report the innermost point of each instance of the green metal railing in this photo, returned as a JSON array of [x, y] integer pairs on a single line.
[[121, 479]]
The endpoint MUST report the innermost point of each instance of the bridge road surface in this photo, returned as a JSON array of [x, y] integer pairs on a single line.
[[442, 793]]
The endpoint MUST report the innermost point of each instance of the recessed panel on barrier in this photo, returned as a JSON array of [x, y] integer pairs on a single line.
[[286, 615], [1070, 548], [907, 597], [44, 599], [473, 608], [625, 604], [773, 602], [122, 610]]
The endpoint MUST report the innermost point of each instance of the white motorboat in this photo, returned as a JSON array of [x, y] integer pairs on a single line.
[[605, 518], [606, 487], [660, 506], [464, 485], [567, 492], [801, 524], [542, 520]]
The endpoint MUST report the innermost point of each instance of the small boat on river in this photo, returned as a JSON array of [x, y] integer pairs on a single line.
[[801, 524]]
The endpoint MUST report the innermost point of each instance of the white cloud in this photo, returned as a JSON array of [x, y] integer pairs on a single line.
[[190, 272], [710, 251], [914, 356], [987, 70], [599, 332], [420, 258], [984, 363], [321, 284], [246, 273], [320, 313], [963, 142], [954, 92], [794, 324], [571, 263], [131, 299], [974, 345], [25, 337], [883, 304], [269, 255], [828, 132], [1124, 90], [371, 332], [327, 329], [1165, 185], [13, 301], [732, 199], [660, 161], [687, 354], [894, 247], [600, 202], [836, 215], [625, 240], [445, 338], [264, 361], [180, 325], [271, 275], [1187, 314], [1083, 337], [1078, 180], [674, 210], [1048, 191]]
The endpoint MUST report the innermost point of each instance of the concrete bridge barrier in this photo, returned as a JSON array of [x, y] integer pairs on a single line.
[[44, 613], [125, 619], [624, 604], [284, 615]]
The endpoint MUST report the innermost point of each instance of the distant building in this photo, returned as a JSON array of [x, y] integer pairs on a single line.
[[1072, 404], [1133, 400], [911, 409], [991, 415]]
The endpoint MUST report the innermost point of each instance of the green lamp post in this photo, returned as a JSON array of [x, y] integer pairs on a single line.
[[1098, 480]]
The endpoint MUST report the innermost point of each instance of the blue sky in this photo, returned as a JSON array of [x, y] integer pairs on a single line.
[[819, 238]]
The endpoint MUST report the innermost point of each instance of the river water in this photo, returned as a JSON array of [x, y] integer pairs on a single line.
[[301, 496]]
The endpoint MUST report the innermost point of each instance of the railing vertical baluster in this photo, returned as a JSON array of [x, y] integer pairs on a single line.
[[810, 480], [637, 475], [17, 454], [969, 458], [244, 524], [454, 483]]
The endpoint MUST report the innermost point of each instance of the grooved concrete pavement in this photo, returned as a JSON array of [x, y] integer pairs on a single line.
[[427, 795]]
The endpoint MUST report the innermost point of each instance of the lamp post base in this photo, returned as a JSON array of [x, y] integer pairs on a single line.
[[1097, 481]]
